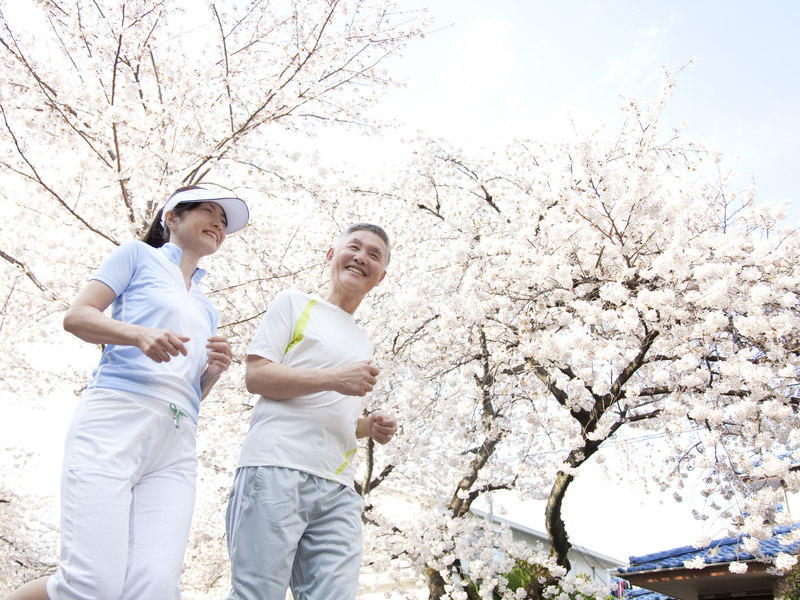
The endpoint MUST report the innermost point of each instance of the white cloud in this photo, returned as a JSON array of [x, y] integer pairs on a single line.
[[484, 57], [615, 68], [640, 59]]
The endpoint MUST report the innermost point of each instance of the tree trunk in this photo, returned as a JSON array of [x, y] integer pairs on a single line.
[[435, 584], [556, 530]]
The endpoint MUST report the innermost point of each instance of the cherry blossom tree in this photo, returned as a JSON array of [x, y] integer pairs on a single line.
[[551, 297], [541, 301]]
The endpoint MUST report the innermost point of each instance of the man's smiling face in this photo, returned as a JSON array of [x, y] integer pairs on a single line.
[[357, 263]]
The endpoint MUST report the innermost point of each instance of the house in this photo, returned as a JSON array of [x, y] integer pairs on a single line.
[[663, 575], [582, 560]]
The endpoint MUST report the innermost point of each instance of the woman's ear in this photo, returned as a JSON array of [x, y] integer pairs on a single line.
[[170, 218]]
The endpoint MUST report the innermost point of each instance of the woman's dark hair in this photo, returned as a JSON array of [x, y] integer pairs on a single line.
[[156, 235]]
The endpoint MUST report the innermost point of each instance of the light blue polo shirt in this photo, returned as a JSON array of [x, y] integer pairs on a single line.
[[151, 292]]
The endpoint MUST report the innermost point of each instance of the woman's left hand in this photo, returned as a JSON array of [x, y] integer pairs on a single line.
[[220, 355]]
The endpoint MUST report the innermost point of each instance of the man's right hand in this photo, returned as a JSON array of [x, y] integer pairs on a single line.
[[356, 379]]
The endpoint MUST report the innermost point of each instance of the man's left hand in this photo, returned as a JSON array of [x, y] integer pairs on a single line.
[[382, 427]]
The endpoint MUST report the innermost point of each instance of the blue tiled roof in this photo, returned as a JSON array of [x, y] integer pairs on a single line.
[[642, 594], [622, 589], [727, 550]]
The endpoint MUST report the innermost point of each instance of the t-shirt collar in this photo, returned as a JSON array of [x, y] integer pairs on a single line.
[[173, 252], [334, 306]]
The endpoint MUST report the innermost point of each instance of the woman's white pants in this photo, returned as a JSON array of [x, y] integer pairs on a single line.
[[127, 497]]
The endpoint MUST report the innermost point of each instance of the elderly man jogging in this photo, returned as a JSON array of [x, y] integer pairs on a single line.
[[294, 519]]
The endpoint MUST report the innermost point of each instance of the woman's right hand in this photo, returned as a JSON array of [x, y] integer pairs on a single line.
[[161, 344]]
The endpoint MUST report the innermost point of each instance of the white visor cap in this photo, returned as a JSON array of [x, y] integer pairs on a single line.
[[236, 212]]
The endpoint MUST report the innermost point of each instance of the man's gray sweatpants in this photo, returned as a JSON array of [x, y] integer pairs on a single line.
[[287, 528]]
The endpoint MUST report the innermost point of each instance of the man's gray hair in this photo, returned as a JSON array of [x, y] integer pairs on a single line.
[[372, 228]]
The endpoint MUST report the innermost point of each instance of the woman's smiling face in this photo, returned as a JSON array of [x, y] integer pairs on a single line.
[[201, 229]]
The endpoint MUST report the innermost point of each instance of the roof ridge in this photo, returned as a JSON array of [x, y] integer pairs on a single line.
[[675, 557]]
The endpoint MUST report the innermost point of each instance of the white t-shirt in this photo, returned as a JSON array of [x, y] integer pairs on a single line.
[[315, 433]]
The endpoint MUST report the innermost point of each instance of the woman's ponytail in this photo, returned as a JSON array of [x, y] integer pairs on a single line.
[[156, 236]]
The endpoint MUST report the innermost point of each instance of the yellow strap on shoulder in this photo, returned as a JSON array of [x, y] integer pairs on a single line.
[[300, 326]]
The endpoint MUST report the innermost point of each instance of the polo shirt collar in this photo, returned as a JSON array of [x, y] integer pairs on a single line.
[[173, 252]]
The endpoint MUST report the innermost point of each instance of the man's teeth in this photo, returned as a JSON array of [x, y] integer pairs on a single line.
[[354, 270]]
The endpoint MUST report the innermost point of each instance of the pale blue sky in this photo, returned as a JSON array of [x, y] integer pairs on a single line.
[[504, 68]]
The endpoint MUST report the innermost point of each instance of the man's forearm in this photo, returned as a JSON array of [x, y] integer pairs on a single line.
[[280, 382]]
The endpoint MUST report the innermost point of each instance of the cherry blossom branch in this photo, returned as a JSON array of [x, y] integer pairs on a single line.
[[25, 269], [51, 100], [38, 180], [223, 39]]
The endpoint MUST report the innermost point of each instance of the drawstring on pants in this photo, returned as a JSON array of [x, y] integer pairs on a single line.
[[177, 413]]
